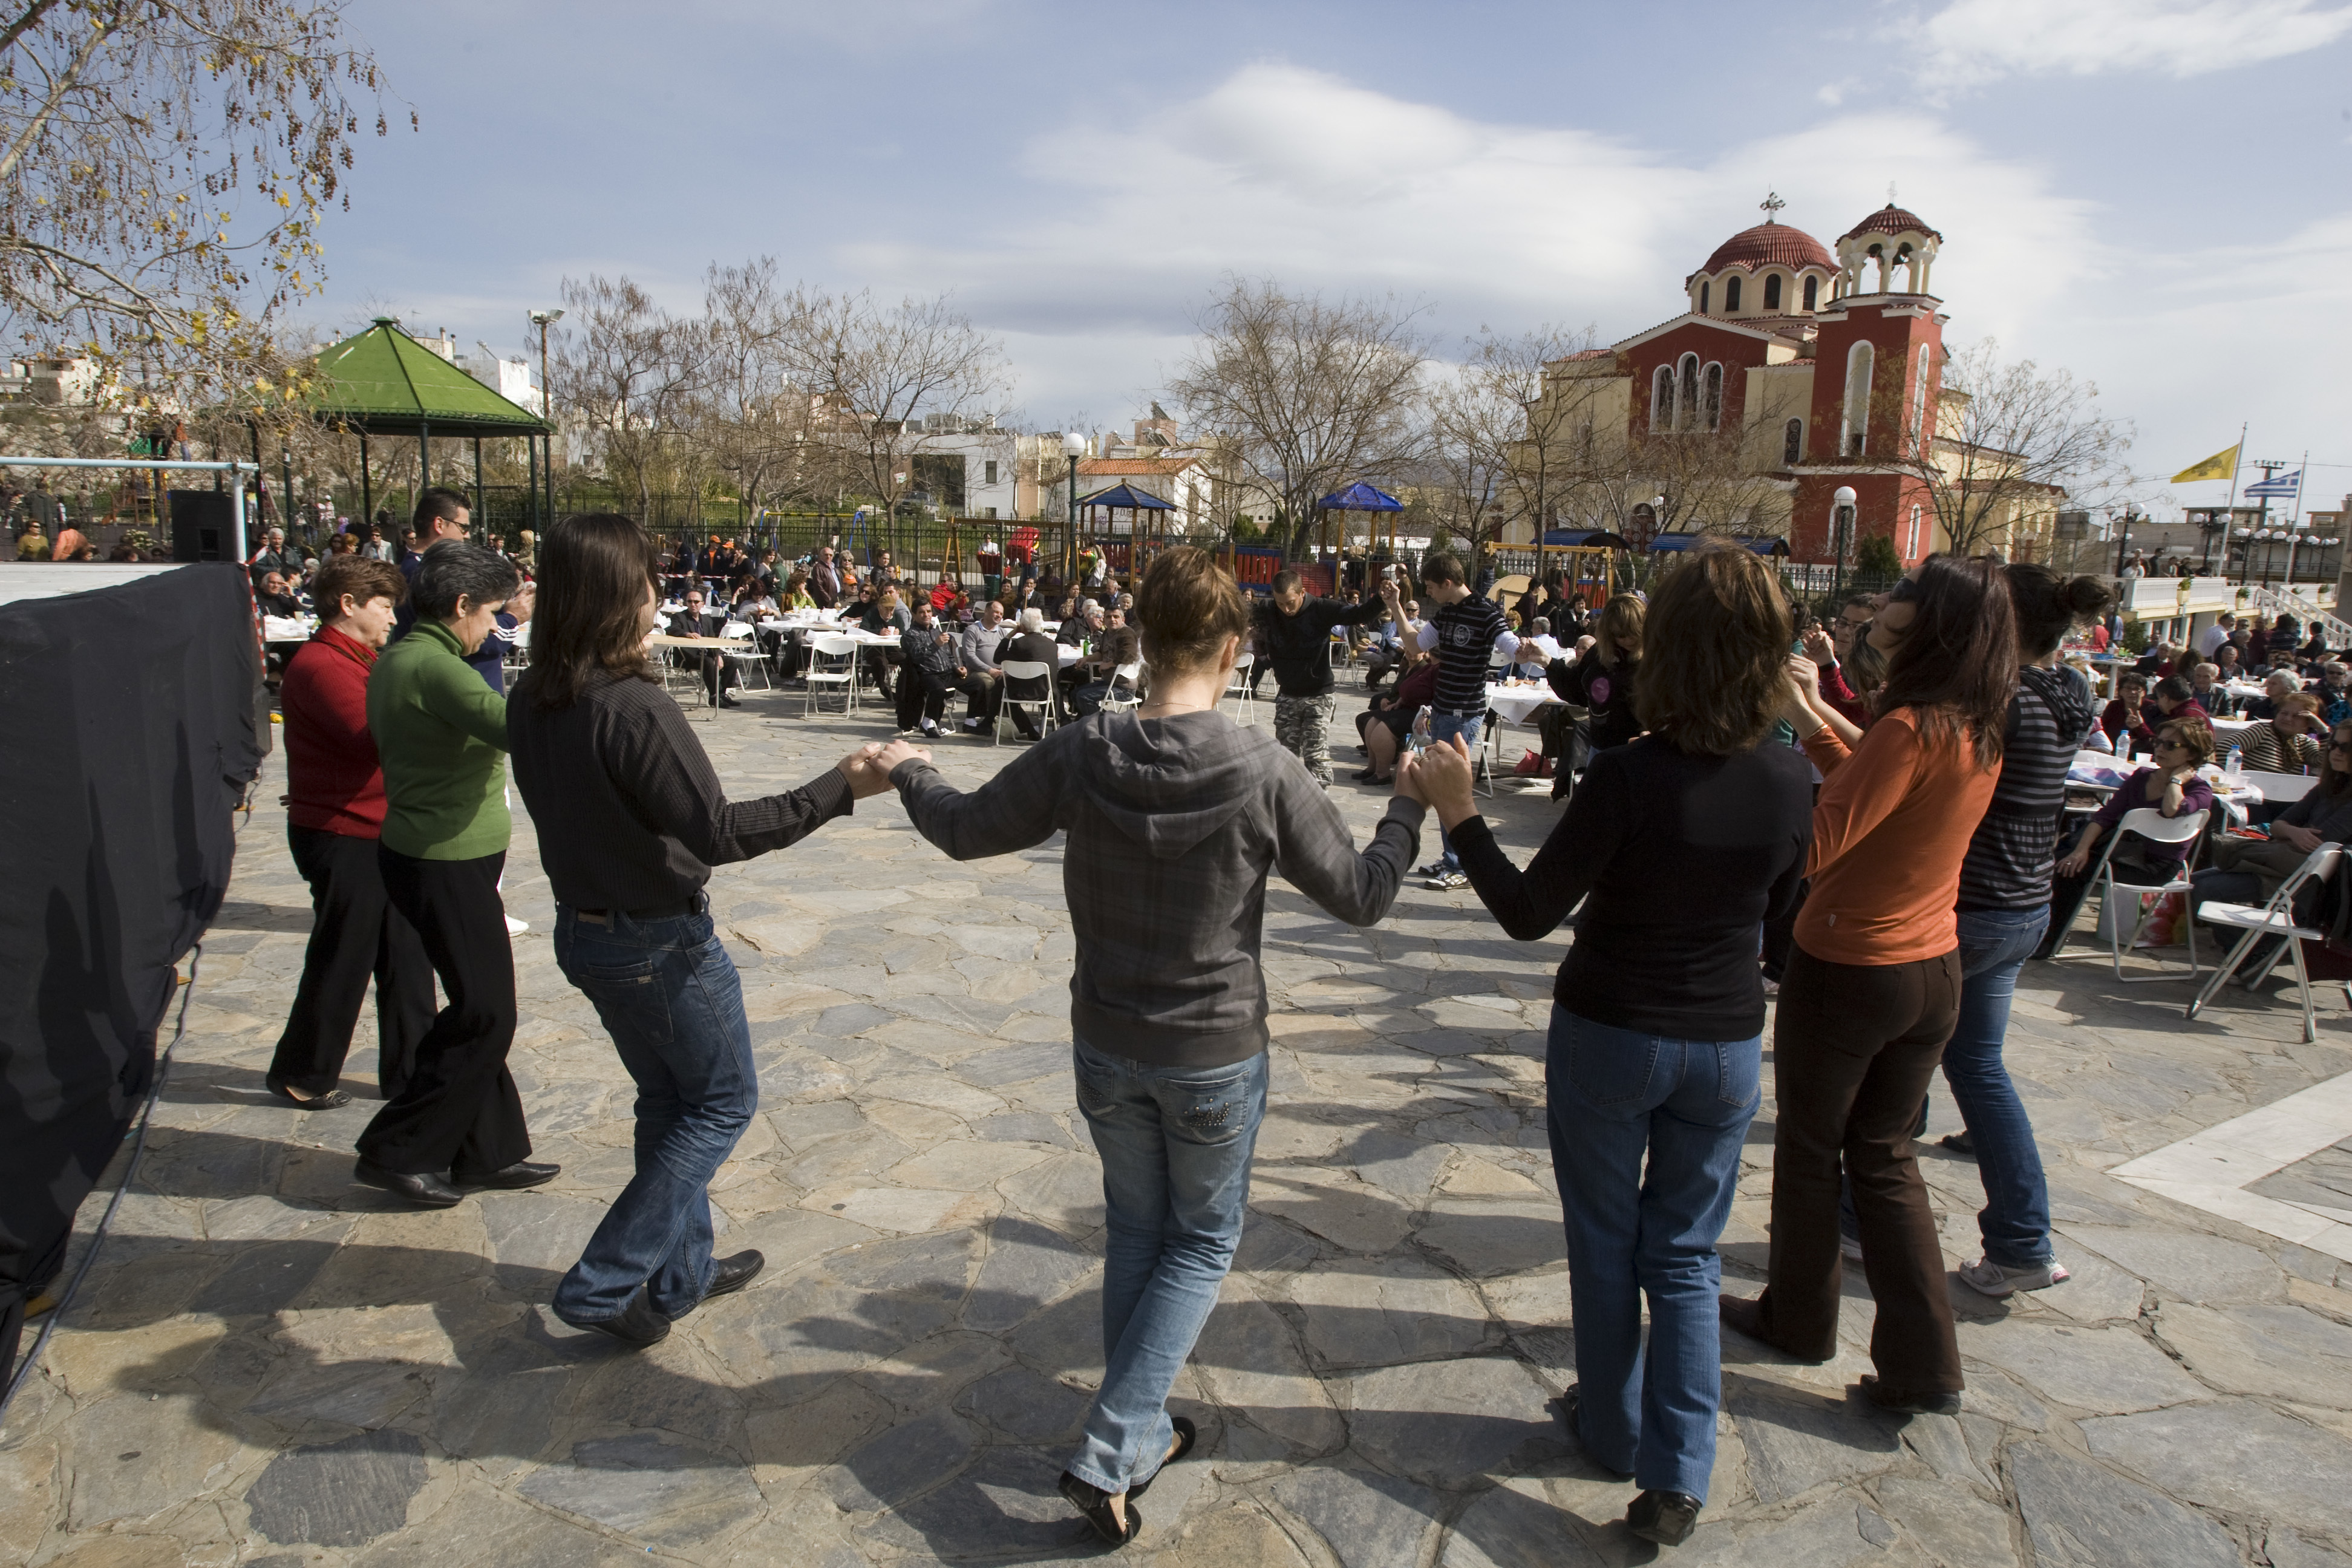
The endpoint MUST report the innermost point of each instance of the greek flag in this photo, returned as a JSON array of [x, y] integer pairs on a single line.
[[2283, 487]]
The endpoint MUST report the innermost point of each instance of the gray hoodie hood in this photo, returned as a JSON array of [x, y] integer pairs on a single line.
[[1168, 784]]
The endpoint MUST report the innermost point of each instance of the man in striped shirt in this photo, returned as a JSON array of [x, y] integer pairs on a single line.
[[1468, 629]]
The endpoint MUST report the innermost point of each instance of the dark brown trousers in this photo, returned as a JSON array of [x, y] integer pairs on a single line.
[[1852, 1050]]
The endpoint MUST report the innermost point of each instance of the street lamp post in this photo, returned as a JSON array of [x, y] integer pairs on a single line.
[[1842, 530], [1074, 446], [2123, 538], [543, 320]]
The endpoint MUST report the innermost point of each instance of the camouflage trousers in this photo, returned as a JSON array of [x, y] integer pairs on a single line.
[[1302, 726]]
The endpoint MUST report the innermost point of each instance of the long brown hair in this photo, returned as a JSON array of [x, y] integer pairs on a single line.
[[1620, 621], [594, 571], [1713, 679], [1957, 664]]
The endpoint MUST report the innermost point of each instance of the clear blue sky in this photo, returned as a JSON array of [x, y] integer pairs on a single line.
[[2152, 194]]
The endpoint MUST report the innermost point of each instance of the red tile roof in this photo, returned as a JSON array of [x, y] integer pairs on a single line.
[[1771, 244], [1892, 219]]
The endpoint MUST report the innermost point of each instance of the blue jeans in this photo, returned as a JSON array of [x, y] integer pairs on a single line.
[[1175, 1145], [1616, 1096], [668, 995], [2015, 1220], [1444, 727]]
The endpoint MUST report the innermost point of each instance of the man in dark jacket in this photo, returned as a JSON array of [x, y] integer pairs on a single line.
[[721, 674], [1295, 630], [933, 669], [1030, 644]]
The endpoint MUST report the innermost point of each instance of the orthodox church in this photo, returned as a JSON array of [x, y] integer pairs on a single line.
[[1827, 365]]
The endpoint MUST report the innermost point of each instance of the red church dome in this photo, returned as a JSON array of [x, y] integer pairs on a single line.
[[1771, 244], [1889, 219]]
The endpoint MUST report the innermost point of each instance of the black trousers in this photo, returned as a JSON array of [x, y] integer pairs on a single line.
[[460, 1108], [355, 933], [925, 692]]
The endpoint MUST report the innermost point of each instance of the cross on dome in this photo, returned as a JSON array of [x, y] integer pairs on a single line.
[[1772, 206]]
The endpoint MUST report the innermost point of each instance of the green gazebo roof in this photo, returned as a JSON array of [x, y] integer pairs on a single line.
[[385, 382]]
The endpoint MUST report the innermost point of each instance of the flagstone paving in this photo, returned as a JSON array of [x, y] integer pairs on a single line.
[[270, 1366]]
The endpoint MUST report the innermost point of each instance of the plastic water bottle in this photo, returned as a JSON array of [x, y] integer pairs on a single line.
[[2230, 763], [1419, 740]]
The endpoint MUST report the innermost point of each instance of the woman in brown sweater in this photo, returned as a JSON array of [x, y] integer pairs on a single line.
[[1873, 990]]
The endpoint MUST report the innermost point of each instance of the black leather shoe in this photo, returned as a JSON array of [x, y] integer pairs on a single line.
[[729, 1275], [428, 1191], [521, 1174], [639, 1326], [1666, 1518]]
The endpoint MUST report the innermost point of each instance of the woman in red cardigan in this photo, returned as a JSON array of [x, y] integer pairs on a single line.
[[334, 814]]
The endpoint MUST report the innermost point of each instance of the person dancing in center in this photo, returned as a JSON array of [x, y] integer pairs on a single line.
[[1175, 815], [1873, 990], [1680, 846]]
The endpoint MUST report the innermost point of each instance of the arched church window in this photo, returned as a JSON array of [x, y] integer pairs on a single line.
[[1713, 398], [1792, 443], [1731, 293], [1703, 291], [1662, 399], [1812, 292], [1852, 437], [1773, 292], [1686, 393]]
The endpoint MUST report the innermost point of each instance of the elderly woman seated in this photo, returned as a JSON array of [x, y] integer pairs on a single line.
[[2285, 742], [2276, 685]]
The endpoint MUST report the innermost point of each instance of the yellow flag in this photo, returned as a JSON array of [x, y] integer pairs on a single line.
[[2219, 466]]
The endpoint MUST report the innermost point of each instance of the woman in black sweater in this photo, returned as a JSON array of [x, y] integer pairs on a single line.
[[1685, 842]]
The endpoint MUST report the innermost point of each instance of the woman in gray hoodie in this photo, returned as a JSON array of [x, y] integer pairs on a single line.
[[1174, 815]]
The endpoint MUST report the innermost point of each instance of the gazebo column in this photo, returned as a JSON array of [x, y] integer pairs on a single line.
[[367, 484], [423, 464], [479, 510]]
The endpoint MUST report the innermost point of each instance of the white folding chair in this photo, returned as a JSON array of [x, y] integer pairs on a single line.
[[2276, 920], [1241, 688], [833, 665], [747, 662], [1132, 673], [2156, 829], [1027, 669]]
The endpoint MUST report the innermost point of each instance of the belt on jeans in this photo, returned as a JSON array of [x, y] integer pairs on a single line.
[[693, 906]]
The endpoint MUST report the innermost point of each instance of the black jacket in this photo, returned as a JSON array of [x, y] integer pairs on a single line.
[[1300, 646]]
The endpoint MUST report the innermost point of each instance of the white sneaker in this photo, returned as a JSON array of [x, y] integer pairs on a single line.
[[516, 927], [1989, 1278], [1446, 882]]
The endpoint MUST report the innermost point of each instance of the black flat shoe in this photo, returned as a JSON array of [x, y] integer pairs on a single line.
[[1095, 1503], [639, 1325], [332, 1099], [729, 1275], [426, 1191], [521, 1174], [1186, 1436], [1748, 1317], [1929, 1403], [1666, 1518]]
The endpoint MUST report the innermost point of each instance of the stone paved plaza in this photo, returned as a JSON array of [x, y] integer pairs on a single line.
[[271, 1365]]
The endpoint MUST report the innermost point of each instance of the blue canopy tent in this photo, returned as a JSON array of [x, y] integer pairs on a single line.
[[1138, 504], [1762, 543], [1359, 497], [1583, 539]]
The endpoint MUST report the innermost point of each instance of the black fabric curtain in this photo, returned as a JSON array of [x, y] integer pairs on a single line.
[[129, 729]]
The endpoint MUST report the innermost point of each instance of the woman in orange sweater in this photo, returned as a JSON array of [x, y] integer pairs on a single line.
[[1872, 991]]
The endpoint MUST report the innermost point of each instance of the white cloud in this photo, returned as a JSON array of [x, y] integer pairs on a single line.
[[1292, 174], [1975, 41]]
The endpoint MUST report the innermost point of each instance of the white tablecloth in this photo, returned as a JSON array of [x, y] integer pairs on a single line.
[[1518, 704]]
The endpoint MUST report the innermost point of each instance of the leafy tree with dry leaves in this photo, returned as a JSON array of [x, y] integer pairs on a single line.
[[875, 371], [2009, 443], [164, 164], [1306, 394], [1507, 452]]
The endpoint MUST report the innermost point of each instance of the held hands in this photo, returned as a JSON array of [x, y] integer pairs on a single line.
[[1818, 646], [1440, 778], [887, 758], [867, 769]]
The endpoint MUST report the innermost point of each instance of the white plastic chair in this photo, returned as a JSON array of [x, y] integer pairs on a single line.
[[1027, 669], [1241, 688], [2274, 919], [1132, 673], [832, 664], [752, 660], [2156, 829]]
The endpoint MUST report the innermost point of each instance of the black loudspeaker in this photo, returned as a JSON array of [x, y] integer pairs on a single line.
[[203, 522]]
